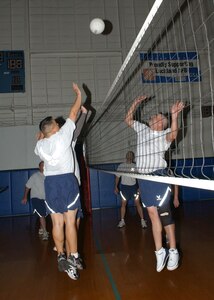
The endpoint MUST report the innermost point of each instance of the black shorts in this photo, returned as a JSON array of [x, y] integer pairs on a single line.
[[39, 207]]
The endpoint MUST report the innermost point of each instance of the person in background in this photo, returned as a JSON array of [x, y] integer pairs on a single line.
[[153, 140], [35, 185], [128, 189]]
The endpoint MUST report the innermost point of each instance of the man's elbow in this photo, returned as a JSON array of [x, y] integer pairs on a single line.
[[127, 120], [73, 116], [172, 137]]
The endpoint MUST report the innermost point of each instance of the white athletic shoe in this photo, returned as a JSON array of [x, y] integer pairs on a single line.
[[173, 259], [40, 231], [121, 224], [161, 256], [45, 236]]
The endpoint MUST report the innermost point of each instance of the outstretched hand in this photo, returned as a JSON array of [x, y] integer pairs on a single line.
[[83, 109], [39, 136], [76, 89], [24, 201], [140, 99], [177, 108]]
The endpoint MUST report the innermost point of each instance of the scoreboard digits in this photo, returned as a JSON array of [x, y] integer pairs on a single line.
[[14, 64]]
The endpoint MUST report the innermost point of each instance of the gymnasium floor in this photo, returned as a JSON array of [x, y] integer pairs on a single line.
[[120, 263]]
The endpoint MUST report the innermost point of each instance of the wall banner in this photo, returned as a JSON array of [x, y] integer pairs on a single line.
[[168, 67]]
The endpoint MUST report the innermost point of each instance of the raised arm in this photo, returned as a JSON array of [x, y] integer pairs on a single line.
[[175, 110], [77, 103], [129, 118]]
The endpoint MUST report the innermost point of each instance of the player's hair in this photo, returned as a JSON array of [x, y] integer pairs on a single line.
[[41, 162], [164, 118], [46, 125], [60, 121], [130, 153]]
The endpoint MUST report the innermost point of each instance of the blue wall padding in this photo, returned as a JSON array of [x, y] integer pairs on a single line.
[[200, 168], [192, 168], [195, 194], [5, 197], [102, 194], [101, 184], [10, 200], [94, 187], [102, 189], [106, 190], [18, 180]]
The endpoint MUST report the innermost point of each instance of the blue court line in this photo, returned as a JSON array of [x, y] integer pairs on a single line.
[[107, 269]]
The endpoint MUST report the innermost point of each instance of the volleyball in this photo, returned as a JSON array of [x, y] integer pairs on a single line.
[[97, 26]]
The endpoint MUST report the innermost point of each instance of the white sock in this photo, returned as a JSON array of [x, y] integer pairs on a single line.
[[75, 254]]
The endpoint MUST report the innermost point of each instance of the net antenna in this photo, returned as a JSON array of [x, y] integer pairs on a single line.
[[171, 59]]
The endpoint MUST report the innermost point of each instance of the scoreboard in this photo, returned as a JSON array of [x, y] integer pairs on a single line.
[[12, 71]]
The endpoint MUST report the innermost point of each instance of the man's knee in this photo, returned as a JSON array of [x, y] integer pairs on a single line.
[[165, 214], [137, 197]]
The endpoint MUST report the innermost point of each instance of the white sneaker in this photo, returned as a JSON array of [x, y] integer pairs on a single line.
[[143, 223], [121, 224], [161, 256], [173, 259], [45, 236], [40, 231]]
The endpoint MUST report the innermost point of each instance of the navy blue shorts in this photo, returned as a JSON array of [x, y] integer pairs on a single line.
[[62, 193], [129, 192], [154, 193], [39, 207]]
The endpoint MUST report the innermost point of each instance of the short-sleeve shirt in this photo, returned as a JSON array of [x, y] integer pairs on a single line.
[[129, 168], [36, 184], [151, 148], [56, 151]]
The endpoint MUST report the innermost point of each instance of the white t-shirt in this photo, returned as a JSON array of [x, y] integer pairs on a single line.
[[130, 168], [36, 184], [151, 148], [56, 151]]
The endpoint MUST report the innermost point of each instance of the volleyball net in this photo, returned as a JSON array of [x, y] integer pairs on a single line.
[[171, 59]]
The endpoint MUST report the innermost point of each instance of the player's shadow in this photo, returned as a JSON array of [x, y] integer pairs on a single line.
[[91, 111], [79, 148]]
